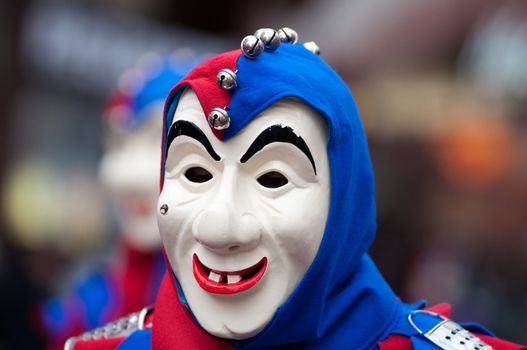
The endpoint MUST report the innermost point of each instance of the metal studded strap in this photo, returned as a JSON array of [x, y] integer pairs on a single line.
[[120, 328], [445, 333]]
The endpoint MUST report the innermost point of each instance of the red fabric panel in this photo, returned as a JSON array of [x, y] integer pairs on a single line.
[[396, 342], [99, 344], [203, 81], [443, 309], [136, 277], [174, 327]]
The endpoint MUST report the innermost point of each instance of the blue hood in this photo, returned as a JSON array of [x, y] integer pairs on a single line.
[[342, 301]]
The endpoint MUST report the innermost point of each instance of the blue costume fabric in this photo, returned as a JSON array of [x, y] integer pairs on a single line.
[[342, 302], [157, 85], [351, 305], [95, 300]]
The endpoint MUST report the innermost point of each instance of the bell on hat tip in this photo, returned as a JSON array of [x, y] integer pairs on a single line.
[[219, 119], [288, 35], [269, 37], [226, 79], [252, 46], [313, 47]]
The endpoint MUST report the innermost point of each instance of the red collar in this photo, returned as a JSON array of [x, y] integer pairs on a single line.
[[174, 327]]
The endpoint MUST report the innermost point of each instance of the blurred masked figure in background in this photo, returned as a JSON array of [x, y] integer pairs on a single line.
[[129, 173]]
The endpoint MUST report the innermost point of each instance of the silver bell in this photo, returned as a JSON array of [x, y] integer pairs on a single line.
[[269, 37], [252, 47], [313, 47], [219, 119], [288, 35], [226, 79]]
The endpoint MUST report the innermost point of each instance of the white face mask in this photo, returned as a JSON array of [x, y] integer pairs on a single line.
[[128, 171], [242, 223]]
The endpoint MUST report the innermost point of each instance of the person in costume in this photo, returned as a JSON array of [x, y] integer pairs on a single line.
[[128, 170], [266, 212]]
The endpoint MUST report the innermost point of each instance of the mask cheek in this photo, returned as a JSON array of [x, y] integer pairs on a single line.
[[173, 222], [299, 232], [298, 248]]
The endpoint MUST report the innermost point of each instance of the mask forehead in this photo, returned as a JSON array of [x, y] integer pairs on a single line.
[[304, 122], [190, 109]]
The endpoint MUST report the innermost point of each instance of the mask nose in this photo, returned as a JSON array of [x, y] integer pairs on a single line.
[[219, 230], [222, 227]]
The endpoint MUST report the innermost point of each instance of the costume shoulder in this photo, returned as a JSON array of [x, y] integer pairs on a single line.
[[434, 330], [400, 342], [119, 334]]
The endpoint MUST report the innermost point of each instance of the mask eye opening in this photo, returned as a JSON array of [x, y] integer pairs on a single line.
[[272, 179], [198, 175]]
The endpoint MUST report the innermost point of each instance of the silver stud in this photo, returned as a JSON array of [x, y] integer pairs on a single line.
[[164, 209], [269, 37], [133, 317], [226, 79], [313, 47], [288, 35], [251, 46], [219, 119]]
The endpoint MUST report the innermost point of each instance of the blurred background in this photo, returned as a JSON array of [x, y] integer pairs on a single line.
[[442, 90]]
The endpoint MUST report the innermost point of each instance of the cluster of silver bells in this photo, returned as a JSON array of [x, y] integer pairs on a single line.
[[264, 39], [267, 39]]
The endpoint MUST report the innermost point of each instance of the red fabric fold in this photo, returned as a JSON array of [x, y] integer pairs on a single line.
[[137, 277], [203, 81], [174, 327], [99, 344]]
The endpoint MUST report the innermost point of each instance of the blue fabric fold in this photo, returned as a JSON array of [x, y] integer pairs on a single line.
[[138, 340]]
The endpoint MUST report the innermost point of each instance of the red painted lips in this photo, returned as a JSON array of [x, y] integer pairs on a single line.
[[227, 282]]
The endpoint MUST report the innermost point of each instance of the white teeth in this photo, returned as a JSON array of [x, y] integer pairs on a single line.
[[213, 276], [233, 279], [219, 278]]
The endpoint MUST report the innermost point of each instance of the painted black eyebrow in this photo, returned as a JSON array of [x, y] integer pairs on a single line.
[[183, 127], [278, 133]]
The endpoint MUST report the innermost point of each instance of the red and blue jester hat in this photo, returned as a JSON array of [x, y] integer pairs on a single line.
[[342, 301]]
